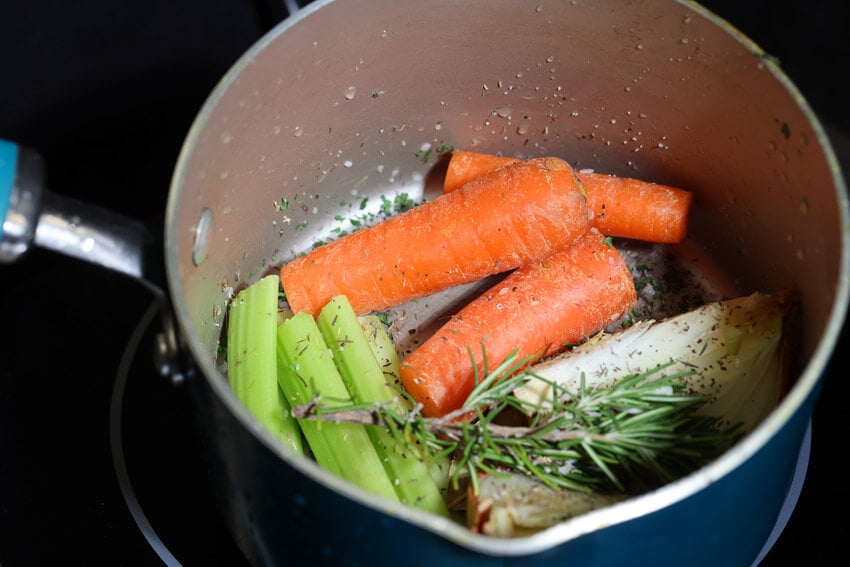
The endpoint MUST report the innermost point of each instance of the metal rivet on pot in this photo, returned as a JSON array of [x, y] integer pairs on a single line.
[[202, 235]]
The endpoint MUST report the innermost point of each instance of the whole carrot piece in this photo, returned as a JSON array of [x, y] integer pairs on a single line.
[[465, 166], [536, 310], [620, 206], [499, 221], [637, 209]]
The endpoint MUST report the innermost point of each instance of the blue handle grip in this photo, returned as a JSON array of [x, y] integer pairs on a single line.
[[8, 170]]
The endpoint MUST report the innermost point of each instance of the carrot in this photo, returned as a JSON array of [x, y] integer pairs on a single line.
[[620, 206], [537, 310], [637, 209], [501, 220], [465, 166]]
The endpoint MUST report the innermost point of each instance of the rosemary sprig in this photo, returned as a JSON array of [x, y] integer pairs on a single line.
[[642, 432]]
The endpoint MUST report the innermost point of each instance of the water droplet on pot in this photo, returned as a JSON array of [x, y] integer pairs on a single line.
[[298, 131], [350, 92], [503, 112]]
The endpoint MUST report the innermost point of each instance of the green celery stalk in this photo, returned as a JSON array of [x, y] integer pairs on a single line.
[[252, 359], [307, 370], [367, 383], [385, 352]]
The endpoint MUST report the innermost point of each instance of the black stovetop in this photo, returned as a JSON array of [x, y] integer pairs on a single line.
[[107, 91]]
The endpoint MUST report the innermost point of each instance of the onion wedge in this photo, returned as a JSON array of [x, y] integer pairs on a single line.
[[735, 348], [516, 505]]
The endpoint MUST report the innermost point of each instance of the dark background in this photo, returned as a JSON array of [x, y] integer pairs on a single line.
[[106, 91]]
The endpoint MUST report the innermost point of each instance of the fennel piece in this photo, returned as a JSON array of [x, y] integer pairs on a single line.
[[306, 370], [252, 359], [733, 350], [367, 383]]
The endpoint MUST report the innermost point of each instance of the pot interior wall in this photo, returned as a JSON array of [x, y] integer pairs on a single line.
[[357, 99]]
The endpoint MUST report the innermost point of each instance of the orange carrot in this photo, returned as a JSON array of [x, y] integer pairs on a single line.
[[501, 220], [620, 206], [537, 310], [465, 166], [637, 209]]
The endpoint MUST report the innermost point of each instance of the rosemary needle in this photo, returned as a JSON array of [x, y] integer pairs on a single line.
[[637, 434]]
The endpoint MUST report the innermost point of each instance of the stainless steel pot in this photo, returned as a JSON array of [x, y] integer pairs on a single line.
[[352, 98]]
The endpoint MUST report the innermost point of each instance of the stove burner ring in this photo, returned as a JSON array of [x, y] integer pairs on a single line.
[[116, 442], [168, 558]]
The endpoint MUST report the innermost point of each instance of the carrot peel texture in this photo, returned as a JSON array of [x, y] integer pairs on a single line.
[[619, 206], [499, 221], [536, 310], [641, 210]]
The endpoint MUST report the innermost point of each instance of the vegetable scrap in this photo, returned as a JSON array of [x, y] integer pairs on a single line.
[[252, 359], [306, 367], [620, 206], [495, 223], [538, 309], [732, 350], [366, 383]]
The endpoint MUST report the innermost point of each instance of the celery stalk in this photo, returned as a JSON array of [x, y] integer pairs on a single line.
[[307, 370], [367, 384], [252, 359], [385, 352]]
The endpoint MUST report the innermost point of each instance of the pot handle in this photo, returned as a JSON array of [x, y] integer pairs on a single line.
[[30, 214]]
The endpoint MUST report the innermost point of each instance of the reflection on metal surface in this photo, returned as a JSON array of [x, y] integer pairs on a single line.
[[202, 234], [24, 202], [91, 234], [116, 442]]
